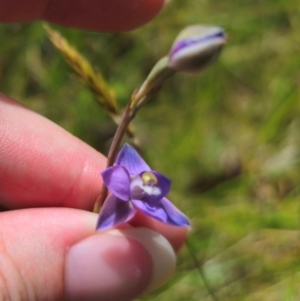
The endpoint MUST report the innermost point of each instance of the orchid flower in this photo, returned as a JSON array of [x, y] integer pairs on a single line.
[[135, 187]]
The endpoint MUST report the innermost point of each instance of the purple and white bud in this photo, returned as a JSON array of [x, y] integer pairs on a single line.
[[195, 48]]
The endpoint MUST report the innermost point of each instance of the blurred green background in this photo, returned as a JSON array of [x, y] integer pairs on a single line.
[[228, 138]]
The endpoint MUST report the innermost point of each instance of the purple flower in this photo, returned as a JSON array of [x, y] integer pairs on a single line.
[[134, 186]]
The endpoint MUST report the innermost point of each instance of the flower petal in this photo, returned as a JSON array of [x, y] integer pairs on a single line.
[[114, 212], [163, 211], [117, 180], [177, 217], [131, 160], [153, 209]]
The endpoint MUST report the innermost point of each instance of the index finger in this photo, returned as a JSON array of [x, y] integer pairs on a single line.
[[42, 165], [98, 15]]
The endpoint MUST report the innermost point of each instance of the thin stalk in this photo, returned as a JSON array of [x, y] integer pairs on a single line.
[[202, 275], [113, 151]]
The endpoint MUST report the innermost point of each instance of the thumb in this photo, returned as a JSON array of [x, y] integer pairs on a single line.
[[55, 254]]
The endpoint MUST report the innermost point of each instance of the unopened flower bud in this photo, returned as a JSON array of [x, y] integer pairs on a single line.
[[195, 48]]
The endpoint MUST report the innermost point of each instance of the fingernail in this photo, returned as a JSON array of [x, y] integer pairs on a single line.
[[161, 252], [118, 265]]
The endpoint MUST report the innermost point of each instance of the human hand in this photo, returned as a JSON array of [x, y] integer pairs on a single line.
[[104, 15], [54, 253]]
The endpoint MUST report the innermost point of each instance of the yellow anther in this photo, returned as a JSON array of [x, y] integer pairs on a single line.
[[149, 178]]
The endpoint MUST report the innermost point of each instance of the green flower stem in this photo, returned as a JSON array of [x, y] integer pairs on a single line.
[[156, 78]]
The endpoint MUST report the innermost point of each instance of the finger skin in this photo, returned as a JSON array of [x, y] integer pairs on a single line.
[[42, 164], [34, 245], [104, 15]]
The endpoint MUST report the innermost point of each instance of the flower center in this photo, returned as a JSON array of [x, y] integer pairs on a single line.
[[149, 178], [144, 185]]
